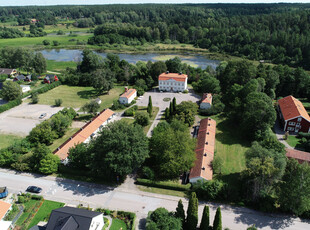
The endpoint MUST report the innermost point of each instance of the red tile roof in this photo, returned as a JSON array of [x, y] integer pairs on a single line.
[[83, 134], [291, 108], [4, 207], [298, 155], [129, 93], [174, 76], [207, 98], [205, 145]]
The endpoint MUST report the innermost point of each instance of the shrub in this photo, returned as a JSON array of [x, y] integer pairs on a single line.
[[148, 173], [46, 42], [34, 98], [55, 43], [21, 199], [185, 91], [142, 118], [36, 197], [58, 102], [131, 111]]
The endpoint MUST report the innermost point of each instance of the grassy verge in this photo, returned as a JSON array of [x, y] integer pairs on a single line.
[[230, 146], [45, 211], [6, 140], [118, 224], [61, 140], [162, 191]]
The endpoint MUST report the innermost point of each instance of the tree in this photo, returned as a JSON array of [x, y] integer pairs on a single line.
[[174, 105], [172, 150], [161, 219], [205, 221], [217, 223], [156, 69], [39, 152], [294, 191], [174, 65], [186, 112], [217, 164], [58, 102], [55, 43], [120, 147], [91, 107], [42, 133], [150, 107], [90, 62], [207, 84], [34, 98], [79, 156], [49, 164], [103, 80], [167, 114], [192, 212], [180, 211], [60, 123], [142, 119], [46, 42], [39, 63], [11, 90]]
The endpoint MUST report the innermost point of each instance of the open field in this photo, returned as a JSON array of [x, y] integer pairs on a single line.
[[6, 140], [45, 211], [230, 146], [56, 66], [76, 96]]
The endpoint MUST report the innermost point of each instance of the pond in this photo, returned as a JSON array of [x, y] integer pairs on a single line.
[[195, 60]]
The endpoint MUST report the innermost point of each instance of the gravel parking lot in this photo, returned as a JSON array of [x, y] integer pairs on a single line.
[[21, 119]]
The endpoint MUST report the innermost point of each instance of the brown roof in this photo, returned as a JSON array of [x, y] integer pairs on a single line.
[[291, 108], [83, 134], [206, 98], [298, 155], [128, 93], [205, 145], [174, 76], [6, 71], [4, 207]]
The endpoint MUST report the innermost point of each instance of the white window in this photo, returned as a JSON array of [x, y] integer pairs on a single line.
[[299, 119], [291, 123], [290, 128]]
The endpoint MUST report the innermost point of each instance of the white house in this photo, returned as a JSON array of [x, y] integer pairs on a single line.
[[75, 219], [206, 101], [25, 88], [85, 134], [128, 96], [176, 82]]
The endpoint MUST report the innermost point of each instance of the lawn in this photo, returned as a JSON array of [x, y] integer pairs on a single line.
[[292, 140], [27, 206], [61, 140], [161, 191], [45, 211], [56, 66], [75, 96], [6, 140], [230, 146], [118, 224]]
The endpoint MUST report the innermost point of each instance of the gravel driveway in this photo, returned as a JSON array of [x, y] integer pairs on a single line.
[[21, 119]]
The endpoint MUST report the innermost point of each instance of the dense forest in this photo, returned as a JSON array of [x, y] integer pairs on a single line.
[[277, 33]]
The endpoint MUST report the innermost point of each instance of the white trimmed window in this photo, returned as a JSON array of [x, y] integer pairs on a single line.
[[299, 119], [291, 123], [290, 128]]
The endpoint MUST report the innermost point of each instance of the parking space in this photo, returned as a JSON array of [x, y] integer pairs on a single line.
[[21, 119]]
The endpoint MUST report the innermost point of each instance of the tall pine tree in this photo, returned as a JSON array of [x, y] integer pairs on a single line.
[[217, 223], [205, 221], [150, 106], [192, 212], [180, 211], [174, 105], [167, 114], [170, 110]]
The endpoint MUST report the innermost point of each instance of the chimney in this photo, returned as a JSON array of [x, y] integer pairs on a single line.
[[167, 72], [126, 89], [180, 73], [203, 168], [205, 154]]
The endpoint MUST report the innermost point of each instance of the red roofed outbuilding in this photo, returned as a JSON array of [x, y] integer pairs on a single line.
[[298, 155], [206, 101], [172, 82], [293, 115]]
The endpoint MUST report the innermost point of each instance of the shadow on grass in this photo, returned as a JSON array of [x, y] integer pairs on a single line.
[[88, 94], [84, 117]]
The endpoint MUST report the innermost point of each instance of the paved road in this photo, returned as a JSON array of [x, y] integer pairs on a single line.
[[127, 197], [280, 133]]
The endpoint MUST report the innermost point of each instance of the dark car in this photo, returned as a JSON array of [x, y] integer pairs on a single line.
[[34, 189]]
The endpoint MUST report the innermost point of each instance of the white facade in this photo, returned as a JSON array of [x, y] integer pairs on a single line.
[[128, 100], [172, 85], [97, 223], [25, 88]]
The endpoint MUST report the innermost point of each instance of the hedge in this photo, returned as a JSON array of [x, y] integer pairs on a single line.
[[44, 89], [10, 105], [164, 185]]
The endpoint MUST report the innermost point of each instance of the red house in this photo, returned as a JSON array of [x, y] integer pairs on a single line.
[[293, 115], [50, 78]]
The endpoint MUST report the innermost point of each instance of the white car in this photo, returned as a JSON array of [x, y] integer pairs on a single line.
[[42, 115]]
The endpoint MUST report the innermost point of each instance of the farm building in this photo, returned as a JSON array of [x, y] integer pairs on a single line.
[[206, 101], [50, 78], [293, 115], [202, 169], [85, 134], [128, 96], [176, 82]]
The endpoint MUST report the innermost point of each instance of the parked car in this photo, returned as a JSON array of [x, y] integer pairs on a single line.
[[3, 192], [34, 189], [42, 115]]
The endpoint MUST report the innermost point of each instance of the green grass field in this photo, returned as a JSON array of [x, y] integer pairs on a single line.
[[57, 66], [118, 224], [230, 146], [292, 140], [75, 96], [6, 140], [45, 211]]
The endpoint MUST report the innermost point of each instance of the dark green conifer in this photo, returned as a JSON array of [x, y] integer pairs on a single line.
[[217, 223], [205, 221]]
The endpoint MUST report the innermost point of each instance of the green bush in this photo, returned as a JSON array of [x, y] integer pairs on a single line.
[[164, 184], [36, 197], [58, 102], [21, 199], [10, 105], [131, 111]]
